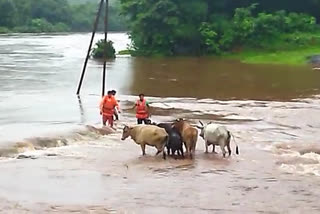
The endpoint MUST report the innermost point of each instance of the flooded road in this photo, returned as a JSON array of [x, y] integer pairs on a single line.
[[54, 158]]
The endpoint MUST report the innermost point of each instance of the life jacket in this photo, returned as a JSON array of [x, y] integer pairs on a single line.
[[108, 105], [141, 111]]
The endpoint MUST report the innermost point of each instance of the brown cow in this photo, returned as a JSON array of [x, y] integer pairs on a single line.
[[189, 135], [147, 135]]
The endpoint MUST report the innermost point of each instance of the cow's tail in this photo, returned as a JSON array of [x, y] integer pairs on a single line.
[[166, 142], [194, 141], [234, 140], [193, 145]]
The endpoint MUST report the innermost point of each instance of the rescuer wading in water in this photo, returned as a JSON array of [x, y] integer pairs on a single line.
[[107, 108], [142, 110]]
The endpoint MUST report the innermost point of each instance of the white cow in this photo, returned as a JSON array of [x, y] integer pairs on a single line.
[[216, 135]]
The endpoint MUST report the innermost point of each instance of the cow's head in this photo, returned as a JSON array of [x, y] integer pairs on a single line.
[[178, 124], [201, 127], [126, 132]]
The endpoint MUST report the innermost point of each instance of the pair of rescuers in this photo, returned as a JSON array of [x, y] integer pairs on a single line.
[[107, 108], [109, 104]]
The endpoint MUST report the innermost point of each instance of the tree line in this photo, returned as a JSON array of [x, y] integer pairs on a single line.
[[54, 16], [202, 27]]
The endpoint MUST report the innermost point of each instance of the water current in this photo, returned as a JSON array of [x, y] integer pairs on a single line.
[[55, 157]]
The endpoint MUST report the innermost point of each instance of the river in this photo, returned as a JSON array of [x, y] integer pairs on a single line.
[[55, 158]]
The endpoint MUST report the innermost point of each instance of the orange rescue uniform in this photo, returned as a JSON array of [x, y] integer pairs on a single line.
[[142, 109], [107, 106]]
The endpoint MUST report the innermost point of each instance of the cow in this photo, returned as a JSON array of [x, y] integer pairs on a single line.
[[216, 135], [147, 135], [189, 135], [175, 140]]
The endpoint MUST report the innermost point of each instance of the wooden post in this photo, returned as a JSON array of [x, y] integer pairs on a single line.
[[105, 47], [90, 46]]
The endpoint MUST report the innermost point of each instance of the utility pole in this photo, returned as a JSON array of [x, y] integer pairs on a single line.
[[105, 47], [95, 26]]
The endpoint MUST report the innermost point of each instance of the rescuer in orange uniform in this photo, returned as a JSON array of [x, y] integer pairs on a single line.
[[142, 110], [107, 106]]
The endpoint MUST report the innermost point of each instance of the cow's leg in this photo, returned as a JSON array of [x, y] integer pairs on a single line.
[[143, 148], [161, 149], [173, 151], [213, 148], [181, 150], [168, 150], [222, 145], [187, 148], [229, 149], [191, 152], [194, 148], [163, 154], [206, 146]]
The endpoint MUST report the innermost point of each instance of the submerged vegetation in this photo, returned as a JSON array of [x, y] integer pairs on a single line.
[[98, 50], [36, 16]]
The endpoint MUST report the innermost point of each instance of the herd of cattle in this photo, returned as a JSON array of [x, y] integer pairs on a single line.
[[174, 135]]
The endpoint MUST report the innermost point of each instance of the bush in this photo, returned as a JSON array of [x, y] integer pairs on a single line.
[[4, 30], [209, 38], [124, 52], [40, 25], [61, 27], [98, 50], [263, 30]]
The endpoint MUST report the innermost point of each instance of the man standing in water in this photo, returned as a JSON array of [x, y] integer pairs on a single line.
[[107, 106], [116, 115], [142, 109]]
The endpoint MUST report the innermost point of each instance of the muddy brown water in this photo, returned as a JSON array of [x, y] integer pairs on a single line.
[[55, 158]]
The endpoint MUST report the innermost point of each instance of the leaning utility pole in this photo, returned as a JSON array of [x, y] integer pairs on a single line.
[[95, 26], [105, 47]]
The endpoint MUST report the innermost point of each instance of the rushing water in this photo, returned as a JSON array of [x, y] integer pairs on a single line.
[[73, 165]]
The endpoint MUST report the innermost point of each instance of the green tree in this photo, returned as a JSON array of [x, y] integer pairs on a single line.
[[8, 12], [59, 15], [194, 27]]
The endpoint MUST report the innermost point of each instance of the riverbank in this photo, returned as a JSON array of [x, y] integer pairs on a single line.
[[297, 56], [285, 49]]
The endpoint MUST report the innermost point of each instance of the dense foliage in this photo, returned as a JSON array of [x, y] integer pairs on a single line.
[[53, 16], [198, 27], [98, 50]]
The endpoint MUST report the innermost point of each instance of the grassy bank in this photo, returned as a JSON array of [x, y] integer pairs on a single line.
[[289, 57], [298, 56]]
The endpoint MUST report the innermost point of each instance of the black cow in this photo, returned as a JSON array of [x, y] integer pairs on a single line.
[[175, 141]]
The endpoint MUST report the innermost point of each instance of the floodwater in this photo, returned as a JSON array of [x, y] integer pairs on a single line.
[[56, 158]]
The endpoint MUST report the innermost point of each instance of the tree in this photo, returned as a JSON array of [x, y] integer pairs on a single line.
[[8, 12], [21, 15], [195, 27]]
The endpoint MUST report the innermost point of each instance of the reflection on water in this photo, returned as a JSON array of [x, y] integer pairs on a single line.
[[219, 79]]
